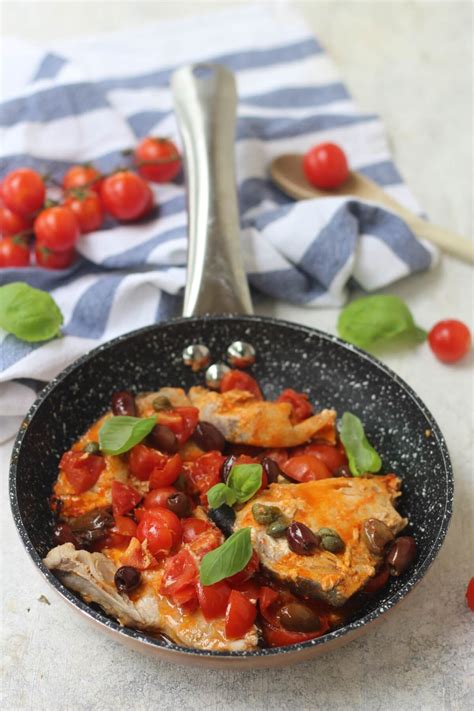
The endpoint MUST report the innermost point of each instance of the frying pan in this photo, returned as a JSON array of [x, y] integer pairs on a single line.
[[334, 373]]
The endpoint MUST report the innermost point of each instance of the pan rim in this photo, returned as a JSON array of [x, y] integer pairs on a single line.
[[172, 647]]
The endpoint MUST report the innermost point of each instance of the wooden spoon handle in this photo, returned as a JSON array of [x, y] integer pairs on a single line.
[[445, 239]]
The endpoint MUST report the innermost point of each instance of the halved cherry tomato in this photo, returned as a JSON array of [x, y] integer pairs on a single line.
[[238, 380], [180, 577], [305, 467], [378, 582], [80, 176], [245, 574], [240, 615], [23, 191], [159, 517], [81, 470], [158, 536], [167, 475], [203, 473], [332, 456], [87, 208], [158, 497], [213, 599], [125, 526], [192, 528], [143, 460], [124, 498], [301, 406], [135, 556], [206, 542]]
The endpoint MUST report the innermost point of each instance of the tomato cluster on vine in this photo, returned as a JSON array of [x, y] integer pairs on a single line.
[[32, 224]]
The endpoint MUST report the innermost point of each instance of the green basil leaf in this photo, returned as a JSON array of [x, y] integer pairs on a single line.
[[29, 314], [377, 319], [360, 453], [245, 480], [230, 558], [119, 434], [220, 494]]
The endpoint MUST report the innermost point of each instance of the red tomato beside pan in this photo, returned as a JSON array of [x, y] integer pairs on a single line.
[[218, 311]]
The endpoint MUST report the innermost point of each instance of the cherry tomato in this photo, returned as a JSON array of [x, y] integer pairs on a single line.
[[11, 223], [48, 259], [192, 528], [203, 473], [245, 574], [267, 599], [279, 637], [125, 195], [159, 517], [378, 581], [280, 456], [301, 406], [180, 577], [81, 470], [213, 599], [470, 594], [330, 454], [14, 252], [240, 615], [57, 228], [159, 497], [181, 420], [238, 380], [143, 460], [125, 526], [157, 159], [23, 191], [206, 542], [168, 474], [87, 208], [124, 498], [325, 166], [158, 536], [80, 176], [305, 467], [450, 340]]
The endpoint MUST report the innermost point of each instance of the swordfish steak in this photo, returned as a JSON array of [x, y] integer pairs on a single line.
[[342, 504]]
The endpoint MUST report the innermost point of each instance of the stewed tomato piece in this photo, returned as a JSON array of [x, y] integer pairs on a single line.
[[245, 574], [204, 473], [240, 615], [158, 497], [81, 469], [143, 460], [125, 526], [124, 498], [181, 420], [167, 475], [332, 455], [306, 467], [213, 599], [180, 578], [151, 525], [192, 528], [238, 380], [300, 404]]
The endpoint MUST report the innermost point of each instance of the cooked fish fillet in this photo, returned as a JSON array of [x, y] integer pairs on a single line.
[[243, 419], [338, 503], [92, 576]]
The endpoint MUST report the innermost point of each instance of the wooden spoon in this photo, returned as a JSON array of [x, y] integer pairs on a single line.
[[287, 172]]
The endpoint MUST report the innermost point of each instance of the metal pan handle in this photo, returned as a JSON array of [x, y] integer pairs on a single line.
[[205, 100]]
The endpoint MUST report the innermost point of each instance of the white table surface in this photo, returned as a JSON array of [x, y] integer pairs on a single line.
[[410, 62]]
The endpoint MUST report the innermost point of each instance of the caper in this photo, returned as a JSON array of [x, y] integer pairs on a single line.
[[277, 529], [161, 402], [331, 540], [92, 448], [266, 514]]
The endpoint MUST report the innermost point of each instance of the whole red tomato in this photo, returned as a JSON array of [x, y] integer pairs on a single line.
[[87, 207], [11, 223], [23, 191], [48, 259], [450, 340], [325, 166], [57, 228], [157, 159], [14, 252], [125, 195], [80, 176]]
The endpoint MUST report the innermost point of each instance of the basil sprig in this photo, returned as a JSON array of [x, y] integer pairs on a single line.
[[120, 433], [374, 320], [29, 314], [230, 558], [243, 482], [360, 453]]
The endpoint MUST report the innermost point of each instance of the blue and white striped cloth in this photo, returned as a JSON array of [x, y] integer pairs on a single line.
[[88, 99]]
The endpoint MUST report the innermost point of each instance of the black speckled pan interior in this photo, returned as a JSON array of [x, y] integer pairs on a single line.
[[335, 375]]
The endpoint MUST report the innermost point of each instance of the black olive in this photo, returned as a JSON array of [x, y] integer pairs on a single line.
[[271, 469], [127, 578], [301, 539], [91, 526], [376, 534], [62, 533], [178, 503], [297, 617], [163, 438], [227, 466], [208, 437], [224, 518], [401, 555], [123, 403], [343, 470]]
